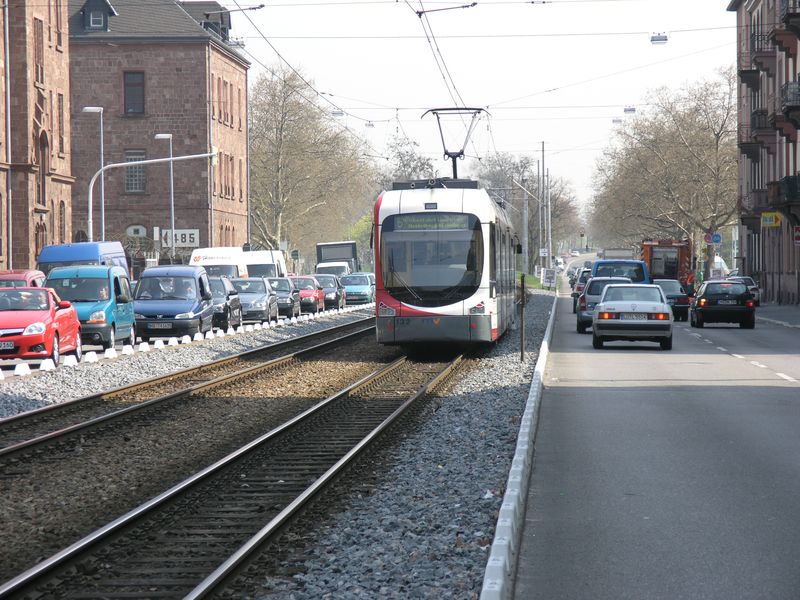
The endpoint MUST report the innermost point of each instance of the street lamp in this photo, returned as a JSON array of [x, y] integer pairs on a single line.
[[99, 110], [168, 136]]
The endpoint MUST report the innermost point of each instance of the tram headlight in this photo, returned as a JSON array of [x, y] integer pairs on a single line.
[[386, 311], [478, 309]]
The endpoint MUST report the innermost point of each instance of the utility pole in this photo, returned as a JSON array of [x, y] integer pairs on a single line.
[[539, 198], [549, 224], [525, 252]]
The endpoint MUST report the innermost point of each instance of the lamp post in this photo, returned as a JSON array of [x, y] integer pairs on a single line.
[[99, 110], [168, 136]]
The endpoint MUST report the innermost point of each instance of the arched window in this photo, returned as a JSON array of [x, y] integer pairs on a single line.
[[44, 169], [62, 222], [40, 233]]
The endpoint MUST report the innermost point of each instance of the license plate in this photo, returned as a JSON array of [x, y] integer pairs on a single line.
[[6, 345], [727, 302], [160, 325], [633, 316]]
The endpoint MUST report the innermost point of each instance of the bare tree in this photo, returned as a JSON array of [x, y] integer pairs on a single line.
[[672, 172]]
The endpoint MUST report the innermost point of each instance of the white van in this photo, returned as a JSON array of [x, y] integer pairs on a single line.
[[226, 261], [265, 263]]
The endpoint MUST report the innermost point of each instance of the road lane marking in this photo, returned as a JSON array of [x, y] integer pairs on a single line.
[[708, 341], [786, 377], [721, 349], [737, 356], [758, 364]]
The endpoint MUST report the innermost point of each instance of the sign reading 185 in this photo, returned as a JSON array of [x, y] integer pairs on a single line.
[[184, 238]]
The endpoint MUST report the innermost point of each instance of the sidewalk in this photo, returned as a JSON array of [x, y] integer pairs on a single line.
[[787, 315]]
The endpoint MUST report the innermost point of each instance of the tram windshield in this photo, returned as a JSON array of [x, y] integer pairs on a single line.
[[431, 259]]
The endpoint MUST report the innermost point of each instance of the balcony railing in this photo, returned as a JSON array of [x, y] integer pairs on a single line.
[[789, 7], [790, 189], [790, 95], [759, 120], [760, 42]]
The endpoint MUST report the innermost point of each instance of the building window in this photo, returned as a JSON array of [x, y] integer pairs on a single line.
[[225, 114], [135, 178], [61, 123], [241, 182], [62, 222], [134, 92], [96, 20], [59, 23], [239, 108], [38, 50], [231, 176], [44, 169]]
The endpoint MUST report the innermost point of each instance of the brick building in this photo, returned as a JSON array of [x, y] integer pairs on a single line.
[[159, 67], [769, 161], [36, 160]]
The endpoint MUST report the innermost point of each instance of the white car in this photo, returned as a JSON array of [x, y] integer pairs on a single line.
[[632, 312]]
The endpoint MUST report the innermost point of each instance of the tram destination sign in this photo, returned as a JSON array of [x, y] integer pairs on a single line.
[[429, 221]]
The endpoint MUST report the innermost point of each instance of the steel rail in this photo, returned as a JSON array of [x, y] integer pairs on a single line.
[[42, 569], [216, 580], [221, 380]]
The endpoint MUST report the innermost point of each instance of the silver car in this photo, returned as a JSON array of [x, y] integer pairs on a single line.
[[590, 297]]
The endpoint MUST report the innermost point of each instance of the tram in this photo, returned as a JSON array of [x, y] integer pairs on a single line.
[[444, 264]]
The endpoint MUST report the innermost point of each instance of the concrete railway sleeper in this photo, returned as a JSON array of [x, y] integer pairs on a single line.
[[188, 541]]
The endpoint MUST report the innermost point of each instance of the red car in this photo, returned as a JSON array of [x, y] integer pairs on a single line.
[[22, 278], [37, 324], [312, 294]]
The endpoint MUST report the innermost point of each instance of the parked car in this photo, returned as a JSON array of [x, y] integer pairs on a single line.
[[577, 289], [312, 297], [288, 296], [676, 297], [723, 301], [22, 278], [590, 297], [259, 302], [37, 324], [227, 305], [173, 300], [752, 286], [334, 290], [103, 299], [359, 289], [632, 312]]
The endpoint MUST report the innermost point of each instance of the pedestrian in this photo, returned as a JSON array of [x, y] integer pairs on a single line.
[[690, 284]]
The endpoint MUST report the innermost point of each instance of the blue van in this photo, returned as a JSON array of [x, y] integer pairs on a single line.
[[110, 254], [103, 299], [173, 300], [635, 270]]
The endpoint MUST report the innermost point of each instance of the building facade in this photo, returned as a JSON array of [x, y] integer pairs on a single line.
[[156, 70], [769, 164], [35, 175]]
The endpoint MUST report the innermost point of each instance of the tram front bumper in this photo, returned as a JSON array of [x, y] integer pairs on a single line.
[[401, 330]]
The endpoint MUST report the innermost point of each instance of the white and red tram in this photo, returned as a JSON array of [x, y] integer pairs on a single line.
[[445, 258]]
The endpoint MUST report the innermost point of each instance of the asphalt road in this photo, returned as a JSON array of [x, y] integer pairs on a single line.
[[666, 474]]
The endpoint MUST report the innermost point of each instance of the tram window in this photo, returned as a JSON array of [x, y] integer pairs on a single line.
[[492, 254]]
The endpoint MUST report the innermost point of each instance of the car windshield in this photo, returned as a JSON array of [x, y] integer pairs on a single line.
[[264, 270], [596, 287], [733, 288], [632, 271], [327, 280], [217, 288], [6, 283], [222, 270], [670, 286], [305, 283], [24, 300], [166, 288], [80, 289], [46, 267], [631, 294], [250, 286], [279, 285], [745, 280], [355, 280]]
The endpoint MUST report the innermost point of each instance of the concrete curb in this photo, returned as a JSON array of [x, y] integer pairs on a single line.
[[500, 568], [776, 322]]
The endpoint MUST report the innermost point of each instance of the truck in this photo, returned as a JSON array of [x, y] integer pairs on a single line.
[[337, 258], [668, 259], [616, 253]]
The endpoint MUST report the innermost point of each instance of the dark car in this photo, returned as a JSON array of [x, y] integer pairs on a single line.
[[227, 305], [723, 301], [173, 300], [580, 282], [333, 289], [676, 296], [259, 302], [288, 296]]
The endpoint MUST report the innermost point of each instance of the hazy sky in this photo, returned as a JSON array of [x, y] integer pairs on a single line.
[[556, 71]]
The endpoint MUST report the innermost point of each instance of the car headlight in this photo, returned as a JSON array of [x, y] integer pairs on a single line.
[[34, 329], [284, 300], [219, 308], [186, 315], [258, 305], [331, 296], [97, 317], [138, 316]]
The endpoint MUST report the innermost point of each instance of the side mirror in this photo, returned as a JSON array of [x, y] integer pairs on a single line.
[[62, 304], [232, 293], [122, 299], [207, 296]]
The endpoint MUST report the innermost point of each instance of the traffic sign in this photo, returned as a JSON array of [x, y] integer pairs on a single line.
[[184, 238], [716, 238], [796, 231], [295, 255], [707, 238]]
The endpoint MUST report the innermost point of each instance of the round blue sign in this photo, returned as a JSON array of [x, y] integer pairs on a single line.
[[716, 238]]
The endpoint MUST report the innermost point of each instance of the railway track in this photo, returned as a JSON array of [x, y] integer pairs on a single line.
[[189, 541], [28, 429]]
